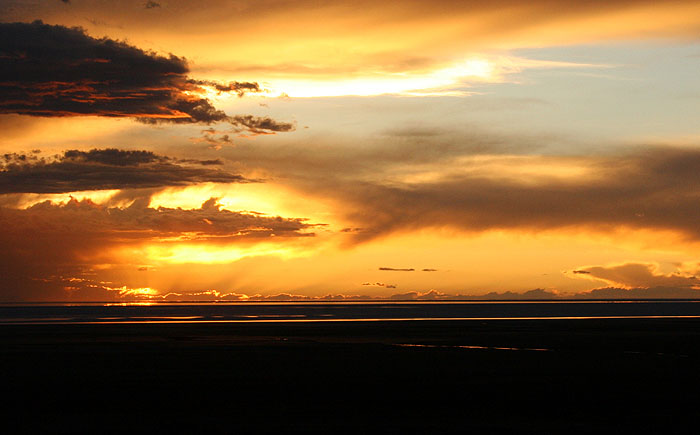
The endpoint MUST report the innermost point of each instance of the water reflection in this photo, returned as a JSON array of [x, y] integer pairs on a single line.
[[473, 347], [346, 312]]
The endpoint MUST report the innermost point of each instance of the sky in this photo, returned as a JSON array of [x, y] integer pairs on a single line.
[[341, 150]]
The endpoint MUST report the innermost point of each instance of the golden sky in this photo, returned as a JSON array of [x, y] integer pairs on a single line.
[[255, 150]]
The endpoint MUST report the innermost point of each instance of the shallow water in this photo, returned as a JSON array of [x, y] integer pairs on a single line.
[[95, 313]]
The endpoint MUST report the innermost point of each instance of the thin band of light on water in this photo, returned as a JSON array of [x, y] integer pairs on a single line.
[[316, 320], [342, 312]]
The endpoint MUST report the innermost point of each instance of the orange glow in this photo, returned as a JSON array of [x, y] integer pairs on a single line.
[[213, 254], [96, 196], [270, 198], [440, 80], [350, 147], [520, 169], [143, 292]]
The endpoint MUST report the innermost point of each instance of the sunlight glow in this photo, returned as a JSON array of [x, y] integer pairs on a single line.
[[211, 254], [96, 196], [126, 291], [266, 198], [440, 82], [451, 80]]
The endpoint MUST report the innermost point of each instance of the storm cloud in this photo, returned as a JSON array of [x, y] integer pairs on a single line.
[[53, 71], [103, 169]]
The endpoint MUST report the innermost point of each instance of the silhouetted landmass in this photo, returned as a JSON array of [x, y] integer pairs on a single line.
[[433, 377]]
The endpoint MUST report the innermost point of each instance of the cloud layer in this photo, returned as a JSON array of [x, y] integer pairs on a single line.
[[59, 71], [104, 169], [649, 188], [311, 38], [476, 182]]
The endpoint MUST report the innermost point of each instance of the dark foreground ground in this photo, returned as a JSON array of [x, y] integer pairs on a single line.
[[609, 375]]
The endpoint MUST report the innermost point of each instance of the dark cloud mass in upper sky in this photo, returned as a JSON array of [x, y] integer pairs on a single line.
[[100, 169], [59, 71]]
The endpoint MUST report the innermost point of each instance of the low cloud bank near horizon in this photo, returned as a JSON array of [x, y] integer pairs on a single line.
[[78, 289], [434, 295]]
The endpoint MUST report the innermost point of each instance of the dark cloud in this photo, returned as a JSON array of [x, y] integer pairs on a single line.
[[113, 156], [378, 284], [429, 270], [103, 169], [209, 136], [261, 125], [210, 162], [151, 4], [239, 88], [59, 71], [391, 269]]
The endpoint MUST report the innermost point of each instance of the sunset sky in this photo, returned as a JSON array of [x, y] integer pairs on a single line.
[[270, 149]]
